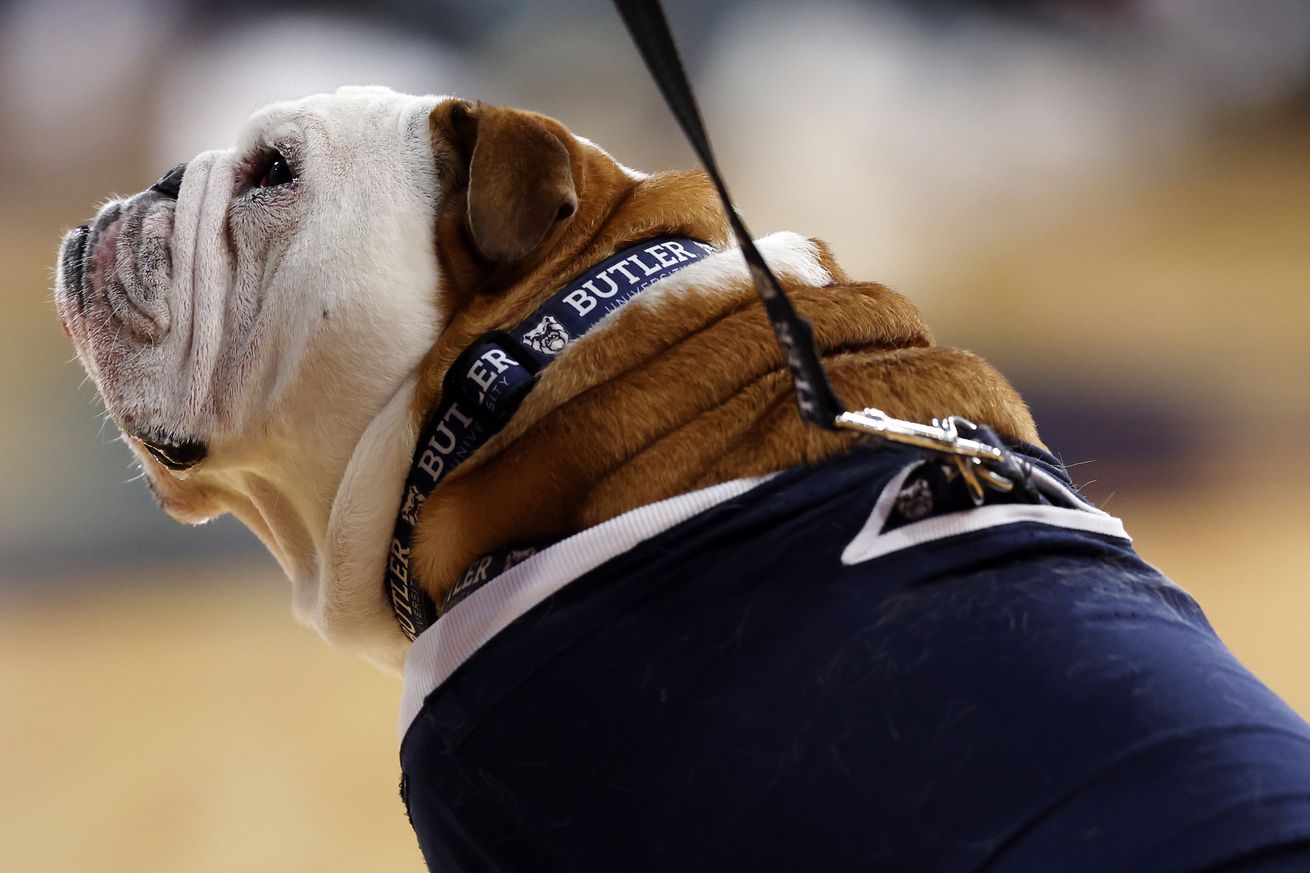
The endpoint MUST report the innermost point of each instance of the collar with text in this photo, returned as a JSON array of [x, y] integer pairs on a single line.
[[489, 380]]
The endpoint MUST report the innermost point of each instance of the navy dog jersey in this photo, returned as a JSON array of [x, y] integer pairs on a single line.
[[827, 671]]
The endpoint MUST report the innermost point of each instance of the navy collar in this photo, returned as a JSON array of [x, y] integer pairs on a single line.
[[489, 380]]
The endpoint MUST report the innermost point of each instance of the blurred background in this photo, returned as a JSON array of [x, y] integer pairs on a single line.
[[1109, 200]]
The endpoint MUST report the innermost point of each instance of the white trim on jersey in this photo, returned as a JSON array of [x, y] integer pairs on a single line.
[[472, 622], [872, 542]]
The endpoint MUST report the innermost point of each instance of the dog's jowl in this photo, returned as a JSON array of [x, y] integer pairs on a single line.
[[512, 420]]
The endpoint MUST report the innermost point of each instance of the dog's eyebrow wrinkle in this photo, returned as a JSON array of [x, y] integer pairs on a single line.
[[267, 275], [195, 266]]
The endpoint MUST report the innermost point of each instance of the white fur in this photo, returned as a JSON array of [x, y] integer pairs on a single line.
[[292, 318], [347, 603]]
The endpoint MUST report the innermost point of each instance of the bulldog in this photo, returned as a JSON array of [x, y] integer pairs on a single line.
[[510, 417]]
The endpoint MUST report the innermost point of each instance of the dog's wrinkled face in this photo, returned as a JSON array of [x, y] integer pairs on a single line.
[[260, 293]]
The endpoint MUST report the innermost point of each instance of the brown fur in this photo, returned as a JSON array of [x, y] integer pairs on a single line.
[[670, 397]]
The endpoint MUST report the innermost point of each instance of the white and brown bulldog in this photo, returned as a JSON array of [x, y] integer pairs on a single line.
[[274, 325], [270, 324]]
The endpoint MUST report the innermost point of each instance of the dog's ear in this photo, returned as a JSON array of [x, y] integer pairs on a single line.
[[518, 173]]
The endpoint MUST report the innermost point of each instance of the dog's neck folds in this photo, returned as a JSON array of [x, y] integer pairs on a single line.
[[337, 565], [326, 514], [345, 602]]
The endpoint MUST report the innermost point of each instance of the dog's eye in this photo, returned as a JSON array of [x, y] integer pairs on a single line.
[[273, 170]]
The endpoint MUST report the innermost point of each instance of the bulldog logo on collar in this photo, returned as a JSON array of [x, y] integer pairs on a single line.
[[548, 337], [413, 503]]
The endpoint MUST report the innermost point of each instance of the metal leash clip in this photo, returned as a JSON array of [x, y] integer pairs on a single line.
[[973, 458]]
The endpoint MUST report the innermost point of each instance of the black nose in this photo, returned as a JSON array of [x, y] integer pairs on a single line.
[[171, 183]]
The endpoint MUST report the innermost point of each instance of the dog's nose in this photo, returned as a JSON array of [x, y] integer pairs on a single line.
[[171, 183]]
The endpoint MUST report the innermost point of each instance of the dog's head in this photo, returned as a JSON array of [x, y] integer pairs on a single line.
[[261, 303]]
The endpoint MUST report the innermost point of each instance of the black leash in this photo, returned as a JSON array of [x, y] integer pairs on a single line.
[[819, 404], [981, 456]]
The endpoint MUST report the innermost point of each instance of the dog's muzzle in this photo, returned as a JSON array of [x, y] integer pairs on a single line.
[[123, 256], [113, 296]]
